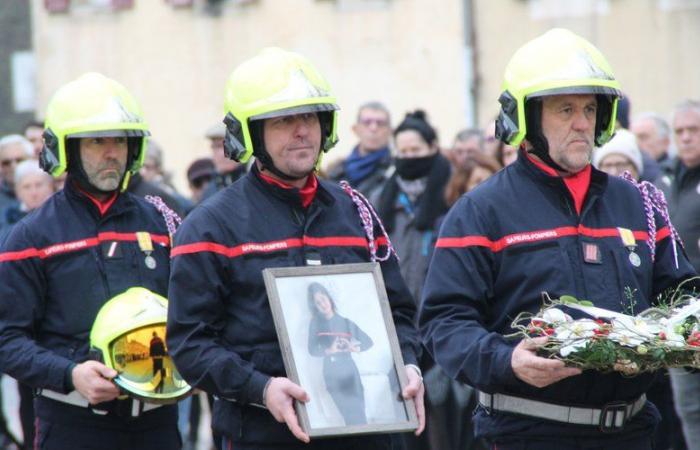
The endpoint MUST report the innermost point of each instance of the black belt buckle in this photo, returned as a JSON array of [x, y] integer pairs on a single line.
[[611, 410], [122, 408]]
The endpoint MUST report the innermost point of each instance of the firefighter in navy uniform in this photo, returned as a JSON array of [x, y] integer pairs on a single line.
[[60, 264], [220, 329], [548, 223]]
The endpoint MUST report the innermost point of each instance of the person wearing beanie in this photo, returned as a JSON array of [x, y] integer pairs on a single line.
[[652, 170], [620, 154], [200, 174]]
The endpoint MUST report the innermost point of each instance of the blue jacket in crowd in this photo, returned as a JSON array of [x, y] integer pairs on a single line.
[[516, 236]]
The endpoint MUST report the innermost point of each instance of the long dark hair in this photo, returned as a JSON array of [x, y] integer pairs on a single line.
[[316, 288]]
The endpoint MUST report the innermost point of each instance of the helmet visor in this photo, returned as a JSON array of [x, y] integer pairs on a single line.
[[145, 368], [317, 107], [110, 133], [595, 90]]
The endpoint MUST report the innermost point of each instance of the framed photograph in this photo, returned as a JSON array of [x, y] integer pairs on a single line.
[[339, 343]]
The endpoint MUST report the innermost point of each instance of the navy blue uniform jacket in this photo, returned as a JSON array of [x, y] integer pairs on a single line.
[[512, 238], [220, 328], [57, 272]]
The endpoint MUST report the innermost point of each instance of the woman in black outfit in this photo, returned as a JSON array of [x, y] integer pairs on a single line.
[[335, 338]]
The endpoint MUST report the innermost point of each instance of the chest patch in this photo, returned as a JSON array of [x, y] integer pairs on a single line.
[[591, 253], [111, 250]]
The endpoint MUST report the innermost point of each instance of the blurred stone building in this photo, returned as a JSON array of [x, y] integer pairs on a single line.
[[445, 56]]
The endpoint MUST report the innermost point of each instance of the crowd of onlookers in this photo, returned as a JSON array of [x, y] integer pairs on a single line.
[[412, 182]]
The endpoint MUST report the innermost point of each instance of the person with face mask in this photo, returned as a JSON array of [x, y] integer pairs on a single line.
[[410, 204], [64, 261], [412, 199]]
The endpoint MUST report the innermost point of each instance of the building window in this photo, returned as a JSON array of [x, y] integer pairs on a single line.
[[60, 6], [56, 6], [359, 5], [559, 9]]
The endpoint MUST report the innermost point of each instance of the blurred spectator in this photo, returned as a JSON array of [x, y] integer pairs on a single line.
[[368, 166], [619, 154], [200, 173], [502, 152], [154, 173], [653, 137], [7, 439], [34, 132], [475, 170], [410, 203], [506, 154], [59, 181], [227, 170], [651, 170], [140, 187], [32, 186], [13, 150], [491, 142], [467, 142], [681, 189]]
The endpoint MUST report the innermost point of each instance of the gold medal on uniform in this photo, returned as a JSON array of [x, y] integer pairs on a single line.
[[146, 246], [630, 242]]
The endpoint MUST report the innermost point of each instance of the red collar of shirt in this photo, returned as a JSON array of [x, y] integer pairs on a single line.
[[577, 183], [101, 206], [307, 193]]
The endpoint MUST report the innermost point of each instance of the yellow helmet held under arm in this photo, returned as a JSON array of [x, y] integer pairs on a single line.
[[129, 336]]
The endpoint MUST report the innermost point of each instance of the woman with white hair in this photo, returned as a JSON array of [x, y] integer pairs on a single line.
[[620, 154], [13, 150], [33, 187]]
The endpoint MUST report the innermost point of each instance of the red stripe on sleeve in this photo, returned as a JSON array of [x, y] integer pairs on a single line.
[[72, 246]]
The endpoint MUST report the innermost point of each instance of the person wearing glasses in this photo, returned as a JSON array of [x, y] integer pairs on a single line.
[[620, 155], [13, 150], [367, 167]]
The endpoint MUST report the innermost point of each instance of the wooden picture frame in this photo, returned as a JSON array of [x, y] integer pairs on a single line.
[[342, 350]]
